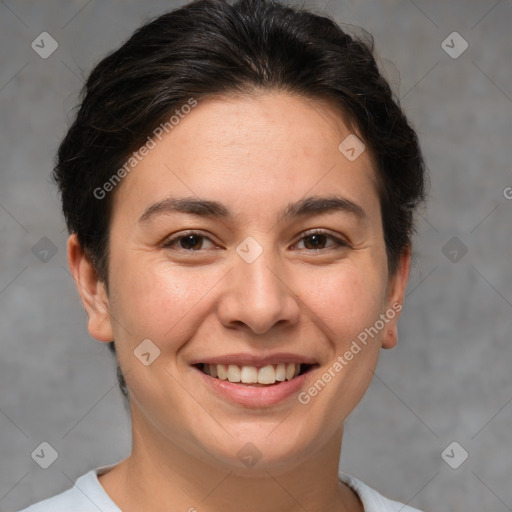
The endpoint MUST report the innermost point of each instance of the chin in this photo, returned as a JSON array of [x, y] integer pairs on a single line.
[[255, 455]]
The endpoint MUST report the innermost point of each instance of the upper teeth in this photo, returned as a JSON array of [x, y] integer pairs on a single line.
[[251, 375]]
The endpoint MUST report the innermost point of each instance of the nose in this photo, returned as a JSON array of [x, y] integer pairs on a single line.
[[258, 297]]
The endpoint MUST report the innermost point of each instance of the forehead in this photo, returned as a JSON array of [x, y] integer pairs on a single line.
[[249, 151]]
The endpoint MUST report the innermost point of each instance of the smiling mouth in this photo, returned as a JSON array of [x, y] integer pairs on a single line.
[[268, 375]]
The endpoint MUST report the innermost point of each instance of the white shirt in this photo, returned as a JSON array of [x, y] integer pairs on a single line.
[[88, 495]]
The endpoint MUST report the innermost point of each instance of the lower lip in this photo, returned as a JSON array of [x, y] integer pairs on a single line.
[[252, 396]]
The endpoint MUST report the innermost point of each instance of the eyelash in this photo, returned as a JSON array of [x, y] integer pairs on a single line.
[[170, 243]]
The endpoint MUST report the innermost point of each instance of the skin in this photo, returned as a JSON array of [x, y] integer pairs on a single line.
[[255, 155]]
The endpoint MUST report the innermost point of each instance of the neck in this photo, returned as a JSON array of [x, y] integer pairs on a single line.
[[159, 474]]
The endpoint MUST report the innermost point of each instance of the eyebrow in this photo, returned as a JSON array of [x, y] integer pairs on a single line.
[[313, 205]]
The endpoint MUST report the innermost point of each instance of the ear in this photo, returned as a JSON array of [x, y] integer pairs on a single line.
[[395, 298], [92, 291]]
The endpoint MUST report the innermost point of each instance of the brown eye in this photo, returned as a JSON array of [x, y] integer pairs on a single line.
[[315, 241], [190, 242], [318, 241]]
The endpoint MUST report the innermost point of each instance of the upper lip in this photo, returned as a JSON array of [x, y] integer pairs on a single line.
[[242, 359]]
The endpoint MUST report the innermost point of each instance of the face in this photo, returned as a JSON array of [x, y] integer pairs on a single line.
[[246, 245]]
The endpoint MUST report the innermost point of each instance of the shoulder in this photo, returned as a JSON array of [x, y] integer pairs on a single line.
[[372, 500], [87, 495]]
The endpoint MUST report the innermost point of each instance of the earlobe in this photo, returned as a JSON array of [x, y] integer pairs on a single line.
[[390, 339], [91, 290], [394, 304]]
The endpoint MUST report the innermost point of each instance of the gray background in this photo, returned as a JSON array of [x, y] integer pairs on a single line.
[[448, 380]]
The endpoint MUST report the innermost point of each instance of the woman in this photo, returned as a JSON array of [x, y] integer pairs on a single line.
[[239, 186]]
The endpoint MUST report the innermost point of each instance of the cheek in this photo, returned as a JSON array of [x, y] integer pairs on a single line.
[[155, 300], [347, 300]]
